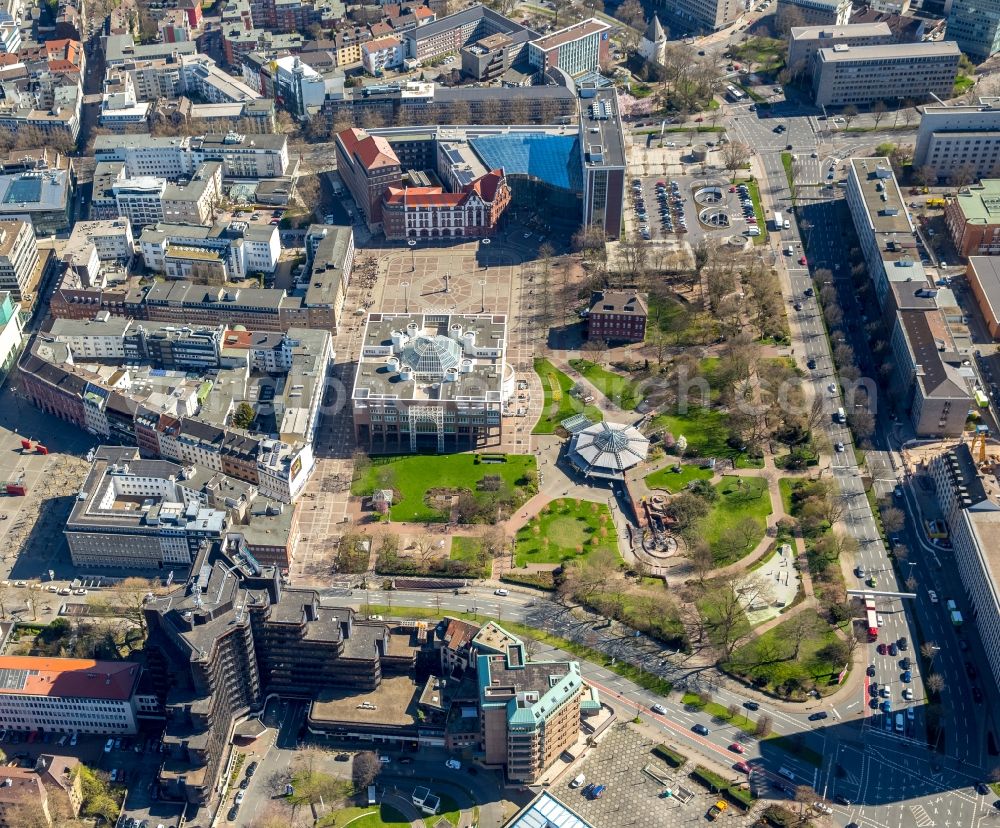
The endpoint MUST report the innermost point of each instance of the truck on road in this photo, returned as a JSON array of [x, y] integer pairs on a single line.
[[956, 616], [872, 616], [779, 221]]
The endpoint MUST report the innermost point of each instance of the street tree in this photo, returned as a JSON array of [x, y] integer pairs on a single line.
[[735, 156], [879, 109], [929, 651], [365, 769], [893, 519], [126, 600], [849, 113], [935, 683]]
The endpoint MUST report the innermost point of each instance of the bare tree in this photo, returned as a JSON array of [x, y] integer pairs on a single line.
[[849, 113], [935, 683], [735, 156], [365, 769], [893, 519], [929, 651], [764, 726], [879, 109]]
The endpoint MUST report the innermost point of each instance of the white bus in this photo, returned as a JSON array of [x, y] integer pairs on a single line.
[[734, 94]]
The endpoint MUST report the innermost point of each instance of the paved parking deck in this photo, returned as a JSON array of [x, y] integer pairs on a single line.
[[633, 797]]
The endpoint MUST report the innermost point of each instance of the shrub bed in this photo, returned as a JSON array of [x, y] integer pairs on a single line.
[[538, 580], [670, 756]]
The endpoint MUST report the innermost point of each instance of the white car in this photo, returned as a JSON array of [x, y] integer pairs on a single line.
[[578, 781], [239, 797], [881, 620], [385, 760], [839, 446], [454, 764], [908, 694], [659, 708], [108, 745], [73, 740], [832, 388], [822, 807], [502, 592], [932, 595]]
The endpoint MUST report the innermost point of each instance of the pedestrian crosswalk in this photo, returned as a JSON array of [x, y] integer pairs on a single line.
[[921, 819]]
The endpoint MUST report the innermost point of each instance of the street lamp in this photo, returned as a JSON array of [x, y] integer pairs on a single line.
[[486, 243], [482, 288], [406, 296], [411, 243], [447, 276]]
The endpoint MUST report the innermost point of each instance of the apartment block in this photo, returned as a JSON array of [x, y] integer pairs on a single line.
[[242, 248], [529, 711], [975, 26], [578, 49], [983, 274], [220, 644], [617, 316], [963, 138], [379, 55], [69, 695], [369, 167], [861, 75], [242, 156], [972, 217], [805, 41], [708, 14], [817, 12], [11, 334], [18, 256], [449, 34], [928, 380], [967, 492]]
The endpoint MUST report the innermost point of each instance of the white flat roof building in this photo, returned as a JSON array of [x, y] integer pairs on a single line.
[[860, 75], [953, 136]]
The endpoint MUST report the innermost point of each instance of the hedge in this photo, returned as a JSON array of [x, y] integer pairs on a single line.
[[735, 793], [538, 580], [710, 779], [670, 756]]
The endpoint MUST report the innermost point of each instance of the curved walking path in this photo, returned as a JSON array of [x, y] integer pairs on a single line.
[[396, 800]]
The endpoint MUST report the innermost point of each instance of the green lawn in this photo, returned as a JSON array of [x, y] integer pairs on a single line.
[[559, 403], [383, 816], [769, 661], [963, 83], [412, 476], [465, 548], [685, 324], [705, 429], [620, 390], [719, 712], [788, 163], [674, 481], [448, 809], [565, 530], [786, 486], [739, 498]]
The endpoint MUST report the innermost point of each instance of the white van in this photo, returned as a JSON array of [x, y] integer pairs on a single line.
[[578, 781], [841, 416]]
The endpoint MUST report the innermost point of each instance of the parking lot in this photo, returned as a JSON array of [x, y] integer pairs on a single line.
[[635, 784], [690, 208]]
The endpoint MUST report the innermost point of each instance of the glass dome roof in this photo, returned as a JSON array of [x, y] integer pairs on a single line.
[[431, 355]]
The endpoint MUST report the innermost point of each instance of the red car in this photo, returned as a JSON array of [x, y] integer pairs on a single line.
[[736, 747], [742, 766], [802, 260]]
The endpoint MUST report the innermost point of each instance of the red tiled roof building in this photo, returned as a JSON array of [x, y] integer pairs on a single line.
[[433, 213], [369, 167]]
